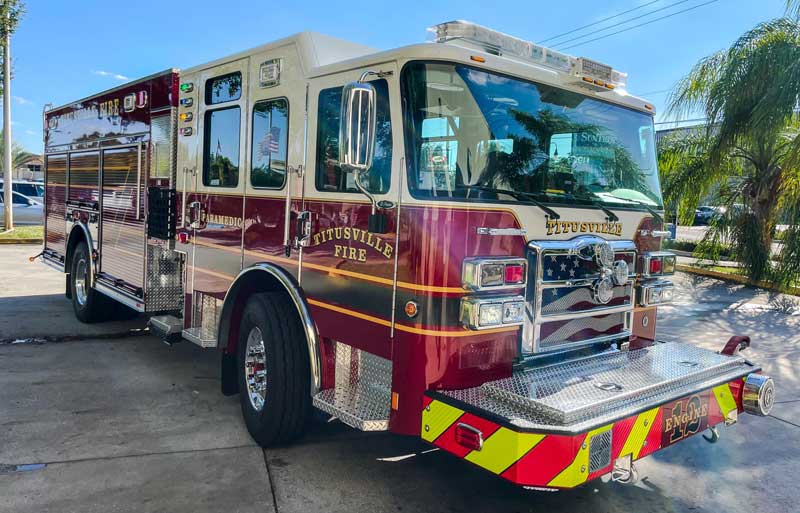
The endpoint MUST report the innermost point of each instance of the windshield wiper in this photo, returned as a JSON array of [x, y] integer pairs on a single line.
[[524, 196], [649, 208], [610, 215]]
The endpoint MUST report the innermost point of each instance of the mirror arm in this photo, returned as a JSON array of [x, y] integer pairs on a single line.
[[370, 73], [366, 192]]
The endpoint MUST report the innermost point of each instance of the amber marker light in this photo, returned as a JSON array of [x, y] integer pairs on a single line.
[[411, 309], [477, 58]]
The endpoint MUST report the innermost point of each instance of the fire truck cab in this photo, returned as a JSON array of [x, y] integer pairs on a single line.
[[458, 240]]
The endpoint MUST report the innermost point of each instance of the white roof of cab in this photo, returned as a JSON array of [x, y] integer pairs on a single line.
[[316, 50]]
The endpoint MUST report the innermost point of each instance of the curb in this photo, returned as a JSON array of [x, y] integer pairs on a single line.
[[21, 241], [743, 280]]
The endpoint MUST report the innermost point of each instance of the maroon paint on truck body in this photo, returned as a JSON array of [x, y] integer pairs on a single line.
[[85, 128]]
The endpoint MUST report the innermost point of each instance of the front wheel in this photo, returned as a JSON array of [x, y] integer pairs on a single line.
[[274, 370], [87, 302]]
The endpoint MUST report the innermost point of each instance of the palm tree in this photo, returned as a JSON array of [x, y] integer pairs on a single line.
[[793, 7], [750, 147], [19, 156]]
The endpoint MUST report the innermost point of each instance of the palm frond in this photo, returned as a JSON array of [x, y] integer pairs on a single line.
[[793, 8]]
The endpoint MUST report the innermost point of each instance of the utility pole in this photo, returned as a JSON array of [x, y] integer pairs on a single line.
[[7, 171]]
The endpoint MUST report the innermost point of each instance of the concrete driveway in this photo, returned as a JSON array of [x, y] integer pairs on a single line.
[[100, 422]]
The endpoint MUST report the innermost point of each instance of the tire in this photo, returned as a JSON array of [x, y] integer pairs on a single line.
[[280, 412], [89, 305]]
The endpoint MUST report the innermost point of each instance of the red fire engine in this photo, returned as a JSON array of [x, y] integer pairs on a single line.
[[458, 240]]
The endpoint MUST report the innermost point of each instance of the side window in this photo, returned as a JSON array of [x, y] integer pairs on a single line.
[[226, 88], [221, 148], [270, 144], [330, 176]]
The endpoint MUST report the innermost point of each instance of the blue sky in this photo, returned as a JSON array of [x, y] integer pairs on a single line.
[[65, 50]]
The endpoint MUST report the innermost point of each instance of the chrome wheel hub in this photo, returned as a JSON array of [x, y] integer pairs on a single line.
[[81, 285], [255, 369]]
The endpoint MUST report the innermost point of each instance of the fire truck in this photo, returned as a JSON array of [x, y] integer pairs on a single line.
[[458, 240]]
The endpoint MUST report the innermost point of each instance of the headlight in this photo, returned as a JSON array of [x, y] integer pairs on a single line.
[[656, 293], [620, 272], [491, 314], [482, 313]]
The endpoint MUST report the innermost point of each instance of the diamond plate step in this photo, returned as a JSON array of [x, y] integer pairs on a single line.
[[166, 325], [361, 397], [203, 337]]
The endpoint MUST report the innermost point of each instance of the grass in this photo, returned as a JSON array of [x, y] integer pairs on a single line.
[[740, 275], [23, 232]]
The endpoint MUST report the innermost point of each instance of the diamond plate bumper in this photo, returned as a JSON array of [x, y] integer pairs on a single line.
[[561, 425]]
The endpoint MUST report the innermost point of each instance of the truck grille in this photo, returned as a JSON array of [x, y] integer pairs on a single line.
[[564, 310]]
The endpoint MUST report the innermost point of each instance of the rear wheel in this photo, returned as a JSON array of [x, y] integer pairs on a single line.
[[87, 302], [274, 375]]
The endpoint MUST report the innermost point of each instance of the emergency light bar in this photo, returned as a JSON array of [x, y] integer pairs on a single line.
[[587, 72]]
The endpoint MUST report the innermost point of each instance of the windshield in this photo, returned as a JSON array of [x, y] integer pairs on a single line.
[[472, 134]]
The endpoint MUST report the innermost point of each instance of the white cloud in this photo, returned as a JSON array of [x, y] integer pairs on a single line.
[[110, 74], [30, 132], [22, 101]]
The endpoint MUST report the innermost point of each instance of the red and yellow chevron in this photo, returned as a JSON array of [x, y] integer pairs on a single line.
[[562, 461]]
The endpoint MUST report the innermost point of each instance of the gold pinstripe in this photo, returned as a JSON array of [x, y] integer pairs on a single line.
[[436, 418], [503, 448], [644, 422]]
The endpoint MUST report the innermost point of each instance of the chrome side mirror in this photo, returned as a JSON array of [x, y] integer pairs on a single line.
[[358, 123], [357, 126]]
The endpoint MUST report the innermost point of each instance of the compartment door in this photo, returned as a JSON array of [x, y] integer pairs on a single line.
[[216, 206]]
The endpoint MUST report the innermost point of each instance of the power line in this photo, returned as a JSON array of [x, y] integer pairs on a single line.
[[622, 22], [598, 22], [640, 25]]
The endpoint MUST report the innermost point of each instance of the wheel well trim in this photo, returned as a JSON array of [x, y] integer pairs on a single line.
[[83, 230], [295, 292]]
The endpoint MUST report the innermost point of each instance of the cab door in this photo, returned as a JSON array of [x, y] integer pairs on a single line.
[[215, 207], [347, 270]]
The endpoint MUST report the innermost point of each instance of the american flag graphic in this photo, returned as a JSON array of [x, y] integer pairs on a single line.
[[564, 267], [270, 143]]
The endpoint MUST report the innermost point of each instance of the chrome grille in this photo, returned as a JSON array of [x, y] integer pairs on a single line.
[[562, 309], [577, 299]]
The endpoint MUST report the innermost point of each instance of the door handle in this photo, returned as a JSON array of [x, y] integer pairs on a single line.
[[197, 216], [303, 229]]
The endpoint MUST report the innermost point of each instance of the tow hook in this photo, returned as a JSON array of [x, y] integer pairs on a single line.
[[624, 471], [713, 436]]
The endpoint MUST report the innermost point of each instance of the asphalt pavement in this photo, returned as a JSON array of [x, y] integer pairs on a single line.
[[93, 419]]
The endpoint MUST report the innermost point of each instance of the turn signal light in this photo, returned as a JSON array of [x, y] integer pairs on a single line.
[[660, 263], [655, 266], [493, 273], [515, 273]]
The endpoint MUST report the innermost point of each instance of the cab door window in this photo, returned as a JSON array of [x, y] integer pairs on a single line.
[[270, 144], [221, 147], [330, 176]]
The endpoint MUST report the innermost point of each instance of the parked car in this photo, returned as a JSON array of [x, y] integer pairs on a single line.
[[704, 214], [27, 188], [26, 210]]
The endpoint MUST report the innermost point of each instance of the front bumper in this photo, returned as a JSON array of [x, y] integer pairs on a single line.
[[554, 427]]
